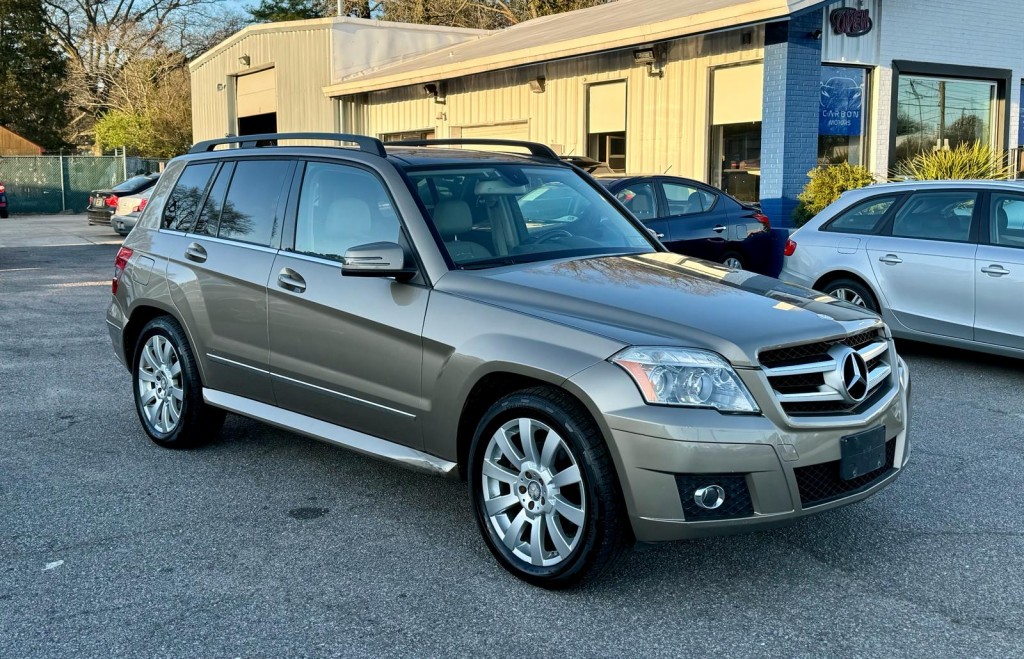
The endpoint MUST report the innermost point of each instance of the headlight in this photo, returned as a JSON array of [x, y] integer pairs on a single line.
[[686, 377]]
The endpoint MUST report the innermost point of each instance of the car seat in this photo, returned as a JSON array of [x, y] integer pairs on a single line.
[[452, 218]]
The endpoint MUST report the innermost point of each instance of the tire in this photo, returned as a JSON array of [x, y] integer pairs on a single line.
[[854, 292], [581, 524], [167, 388], [3, 214], [740, 263]]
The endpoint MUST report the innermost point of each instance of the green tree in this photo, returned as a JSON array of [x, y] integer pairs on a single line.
[[273, 11], [32, 73], [485, 14]]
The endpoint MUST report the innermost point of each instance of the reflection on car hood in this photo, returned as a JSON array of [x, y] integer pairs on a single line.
[[665, 299]]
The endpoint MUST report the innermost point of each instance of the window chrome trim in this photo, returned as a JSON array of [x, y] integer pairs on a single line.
[[231, 362], [338, 394], [224, 241], [302, 256]]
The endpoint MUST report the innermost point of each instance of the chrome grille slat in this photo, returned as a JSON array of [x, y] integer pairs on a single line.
[[801, 369], [876, 349], [878, 375], [823, 395]]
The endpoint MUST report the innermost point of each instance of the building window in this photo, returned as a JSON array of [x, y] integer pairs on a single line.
[[606, 124], [842, 118], [408, 135], [736, 102], [935, 114]]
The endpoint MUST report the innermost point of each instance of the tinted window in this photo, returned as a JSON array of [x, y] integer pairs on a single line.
[[1006, 227], [686, 200], [639, 199], [341, 207], [183, 205], [865, 217], [209, 217], [936, 216], [249, 213]]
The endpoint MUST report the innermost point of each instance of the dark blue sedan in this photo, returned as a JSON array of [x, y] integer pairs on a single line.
[[3, 202], [698, 220]]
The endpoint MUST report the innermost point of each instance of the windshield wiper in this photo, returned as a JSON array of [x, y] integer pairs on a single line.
[[488, 263]]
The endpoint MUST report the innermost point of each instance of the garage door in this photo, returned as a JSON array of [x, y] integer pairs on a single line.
[[519, 130], [256, 94]]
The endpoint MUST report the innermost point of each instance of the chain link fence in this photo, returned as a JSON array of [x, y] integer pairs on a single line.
[[55, 184]]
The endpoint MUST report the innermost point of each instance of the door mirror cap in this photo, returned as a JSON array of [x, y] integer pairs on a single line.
[[377, 260]]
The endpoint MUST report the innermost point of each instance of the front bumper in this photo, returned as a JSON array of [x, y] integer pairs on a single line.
[[772, 473], [123, 224]]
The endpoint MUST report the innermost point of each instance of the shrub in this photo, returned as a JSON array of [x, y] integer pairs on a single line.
[[966, 161], [826, 184]]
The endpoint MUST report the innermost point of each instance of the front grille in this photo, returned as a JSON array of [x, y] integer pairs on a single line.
[[806, 382], [737, 497], [821, 483]]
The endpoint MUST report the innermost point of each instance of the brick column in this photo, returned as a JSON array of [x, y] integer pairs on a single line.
[[789, 128]]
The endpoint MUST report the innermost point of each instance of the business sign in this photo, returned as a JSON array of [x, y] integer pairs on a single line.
[[841, 108], [851, 22]]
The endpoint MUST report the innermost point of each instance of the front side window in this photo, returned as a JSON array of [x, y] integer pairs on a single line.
[[249, 213], [640, 200], [687, 199], [484, 217], [183, 204], [1006, 224], [936, 216], [341, 207], [865, 217]]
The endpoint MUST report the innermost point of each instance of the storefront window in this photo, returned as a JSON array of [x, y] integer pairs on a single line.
[[842, 115], [937, 114], [737, 99]]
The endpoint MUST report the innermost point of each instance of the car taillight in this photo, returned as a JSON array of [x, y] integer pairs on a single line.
[[140, 207], [90, 201], [763, 219], [790, 247], [120, 263], [111, 201], [2, 188]]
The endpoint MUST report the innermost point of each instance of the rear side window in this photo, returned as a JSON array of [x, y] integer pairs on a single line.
[[209, 218], [936, 216], [250, 210], [865, 217], [687, 200], [183, 205]]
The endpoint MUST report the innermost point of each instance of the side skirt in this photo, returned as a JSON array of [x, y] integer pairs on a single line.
[[332, 434]]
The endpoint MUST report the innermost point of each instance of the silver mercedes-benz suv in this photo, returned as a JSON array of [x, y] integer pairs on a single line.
[[593, 388]]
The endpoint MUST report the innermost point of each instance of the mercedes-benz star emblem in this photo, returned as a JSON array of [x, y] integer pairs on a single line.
[[855, 376]]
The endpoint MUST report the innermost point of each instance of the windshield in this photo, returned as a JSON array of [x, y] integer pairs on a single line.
[[496, 215]]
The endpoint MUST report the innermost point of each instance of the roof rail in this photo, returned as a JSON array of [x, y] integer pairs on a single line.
[[366, 144], [535, 149]]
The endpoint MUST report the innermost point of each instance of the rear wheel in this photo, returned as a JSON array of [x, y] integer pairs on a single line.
[[734, 260], [3, 213], [168, 390], [853, 292], [544, 491]]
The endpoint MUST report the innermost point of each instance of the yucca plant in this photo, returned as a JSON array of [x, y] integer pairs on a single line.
[[966, 161], [824, 186]]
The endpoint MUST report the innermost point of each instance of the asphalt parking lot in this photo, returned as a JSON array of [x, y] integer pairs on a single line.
[[270, 544]]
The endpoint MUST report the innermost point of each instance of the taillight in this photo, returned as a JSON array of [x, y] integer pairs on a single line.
[[140, 207], [763, 219], [120, 263], [2, 188], [790, 247], [90, 201], [111, 201]]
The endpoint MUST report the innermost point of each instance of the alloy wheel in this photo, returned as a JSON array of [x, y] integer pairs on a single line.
[[733, 262], [849, 295], [533, 492], [160, 384]]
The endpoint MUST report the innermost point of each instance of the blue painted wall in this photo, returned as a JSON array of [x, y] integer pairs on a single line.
[[789, 128]]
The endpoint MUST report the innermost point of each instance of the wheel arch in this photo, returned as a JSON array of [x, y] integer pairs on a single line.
[[137, 320], [836, 275]]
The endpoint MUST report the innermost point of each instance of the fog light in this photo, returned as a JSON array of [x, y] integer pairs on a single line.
[[709, 497]]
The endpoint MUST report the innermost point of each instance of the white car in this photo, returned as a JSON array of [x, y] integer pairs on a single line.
[[940, 261], [128, 211]]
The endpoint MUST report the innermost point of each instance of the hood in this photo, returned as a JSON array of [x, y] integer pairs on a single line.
[[665, 299]]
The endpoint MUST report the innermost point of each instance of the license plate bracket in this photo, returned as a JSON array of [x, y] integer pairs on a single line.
[[862, 453]]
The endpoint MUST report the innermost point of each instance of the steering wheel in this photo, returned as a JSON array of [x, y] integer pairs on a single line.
[[554, 234]]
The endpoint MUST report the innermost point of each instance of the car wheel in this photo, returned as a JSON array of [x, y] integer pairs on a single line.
[[853, 292], [3, 213], [544, 491], [168, 390], [734, 261]]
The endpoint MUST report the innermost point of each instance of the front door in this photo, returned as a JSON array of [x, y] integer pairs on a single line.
[[925, 268], [999, 274], [695, 228], [346, 350], [641, 199]]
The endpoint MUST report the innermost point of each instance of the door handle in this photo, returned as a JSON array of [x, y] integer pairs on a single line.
[[718, 229], [195, 252], [995, 270], [891, 259], [291, 280]]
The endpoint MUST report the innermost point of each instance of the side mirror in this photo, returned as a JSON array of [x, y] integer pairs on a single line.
[[377, 260]]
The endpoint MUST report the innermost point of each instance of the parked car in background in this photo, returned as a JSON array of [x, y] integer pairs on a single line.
[[128, 211], [941, 261], [695, 219], [102, 203], [3, 202]]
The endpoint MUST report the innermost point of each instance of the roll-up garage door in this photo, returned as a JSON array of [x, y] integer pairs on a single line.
[[738, 94], [606, 108], [256, 93], [519, 130]]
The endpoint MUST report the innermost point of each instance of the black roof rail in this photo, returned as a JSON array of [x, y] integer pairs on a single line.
[[535, 149], [365, 144]]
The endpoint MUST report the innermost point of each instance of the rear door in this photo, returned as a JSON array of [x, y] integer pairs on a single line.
[[695, 226], [999, 273], [346, 350], [925, 266], [219, 267]]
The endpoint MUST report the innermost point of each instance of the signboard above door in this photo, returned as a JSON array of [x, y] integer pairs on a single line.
[[850, 21]]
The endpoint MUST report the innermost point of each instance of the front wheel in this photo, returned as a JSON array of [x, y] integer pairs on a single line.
[[544, 491]]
